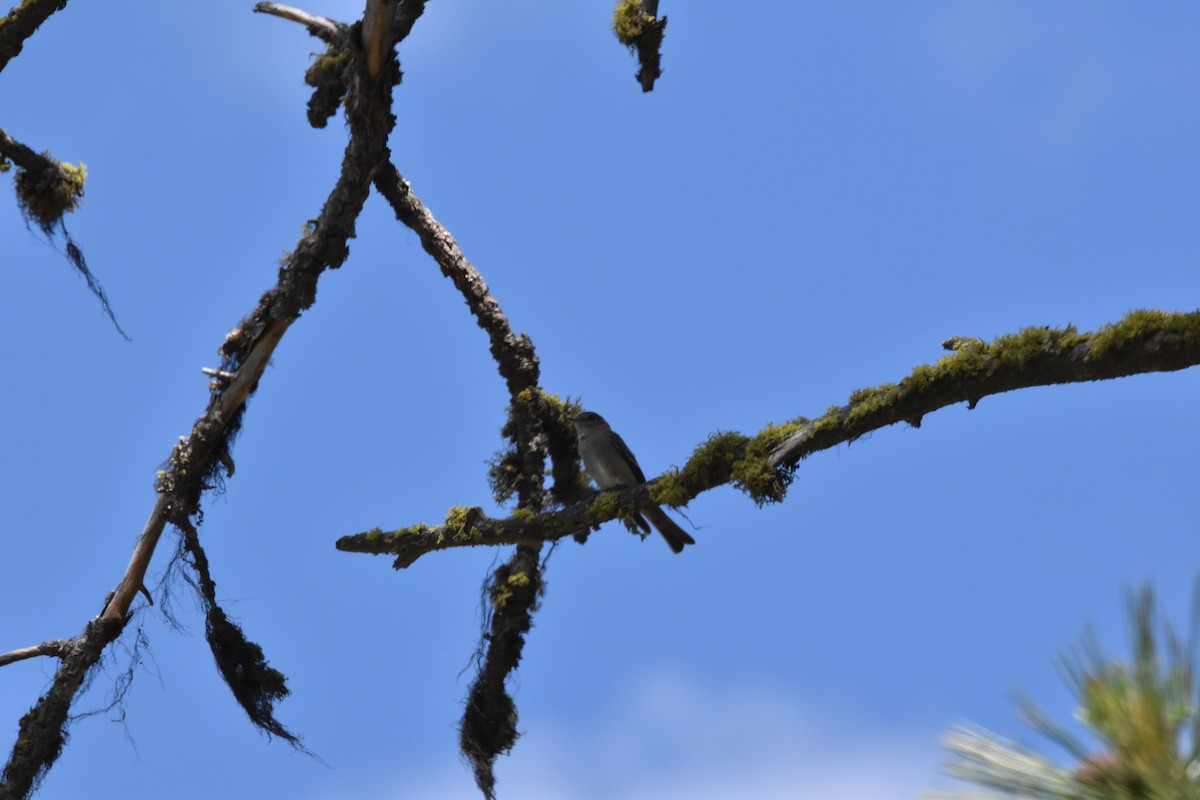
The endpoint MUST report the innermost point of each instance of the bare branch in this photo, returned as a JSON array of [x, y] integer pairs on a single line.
[[377, 33], [219, 374], [321, 27], [56, 648], [513, 354], [537, 417]]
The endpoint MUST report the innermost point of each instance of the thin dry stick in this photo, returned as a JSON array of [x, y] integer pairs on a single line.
[[320, 27], [56, 648]]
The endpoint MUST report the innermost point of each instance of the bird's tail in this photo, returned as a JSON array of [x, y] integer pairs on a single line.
[[676, 536]]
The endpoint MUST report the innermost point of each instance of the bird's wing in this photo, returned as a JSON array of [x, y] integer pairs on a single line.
[[623, 449]]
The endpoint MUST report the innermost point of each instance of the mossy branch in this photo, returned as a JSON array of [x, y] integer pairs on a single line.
[[535, 430], [763, 465], [471, 527], [489, 724], [1143, 341], [46, 189], [636, 25], [20, 23], [42, 731]]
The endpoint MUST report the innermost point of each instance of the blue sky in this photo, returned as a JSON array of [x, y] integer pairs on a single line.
[[811, 200]]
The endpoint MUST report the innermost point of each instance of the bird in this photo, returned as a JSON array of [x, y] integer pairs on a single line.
[[608, 462]]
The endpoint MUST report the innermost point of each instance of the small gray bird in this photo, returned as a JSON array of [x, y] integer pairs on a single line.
[[610, 464]]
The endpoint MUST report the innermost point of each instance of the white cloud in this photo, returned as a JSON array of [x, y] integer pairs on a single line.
[[668, 736]]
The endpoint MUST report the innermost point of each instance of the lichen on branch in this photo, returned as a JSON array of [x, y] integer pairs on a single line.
[[764, 465], [636, 26]]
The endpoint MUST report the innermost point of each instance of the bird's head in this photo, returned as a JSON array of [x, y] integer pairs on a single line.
[[589, 420]]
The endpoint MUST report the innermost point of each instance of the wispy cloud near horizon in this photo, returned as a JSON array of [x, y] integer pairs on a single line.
[[668, 735]]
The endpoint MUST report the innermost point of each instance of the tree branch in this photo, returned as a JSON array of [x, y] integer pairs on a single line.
[[1143, 341], [195, 462], [762, 466], [488, 726], [407, 14], [42, 732], [47, 190], [22, 155], [637, 26], [54, 647], [248, 348], [377, 33], [471, 527], [21, 22], [536, 429], [321, 27], [513, 354]]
